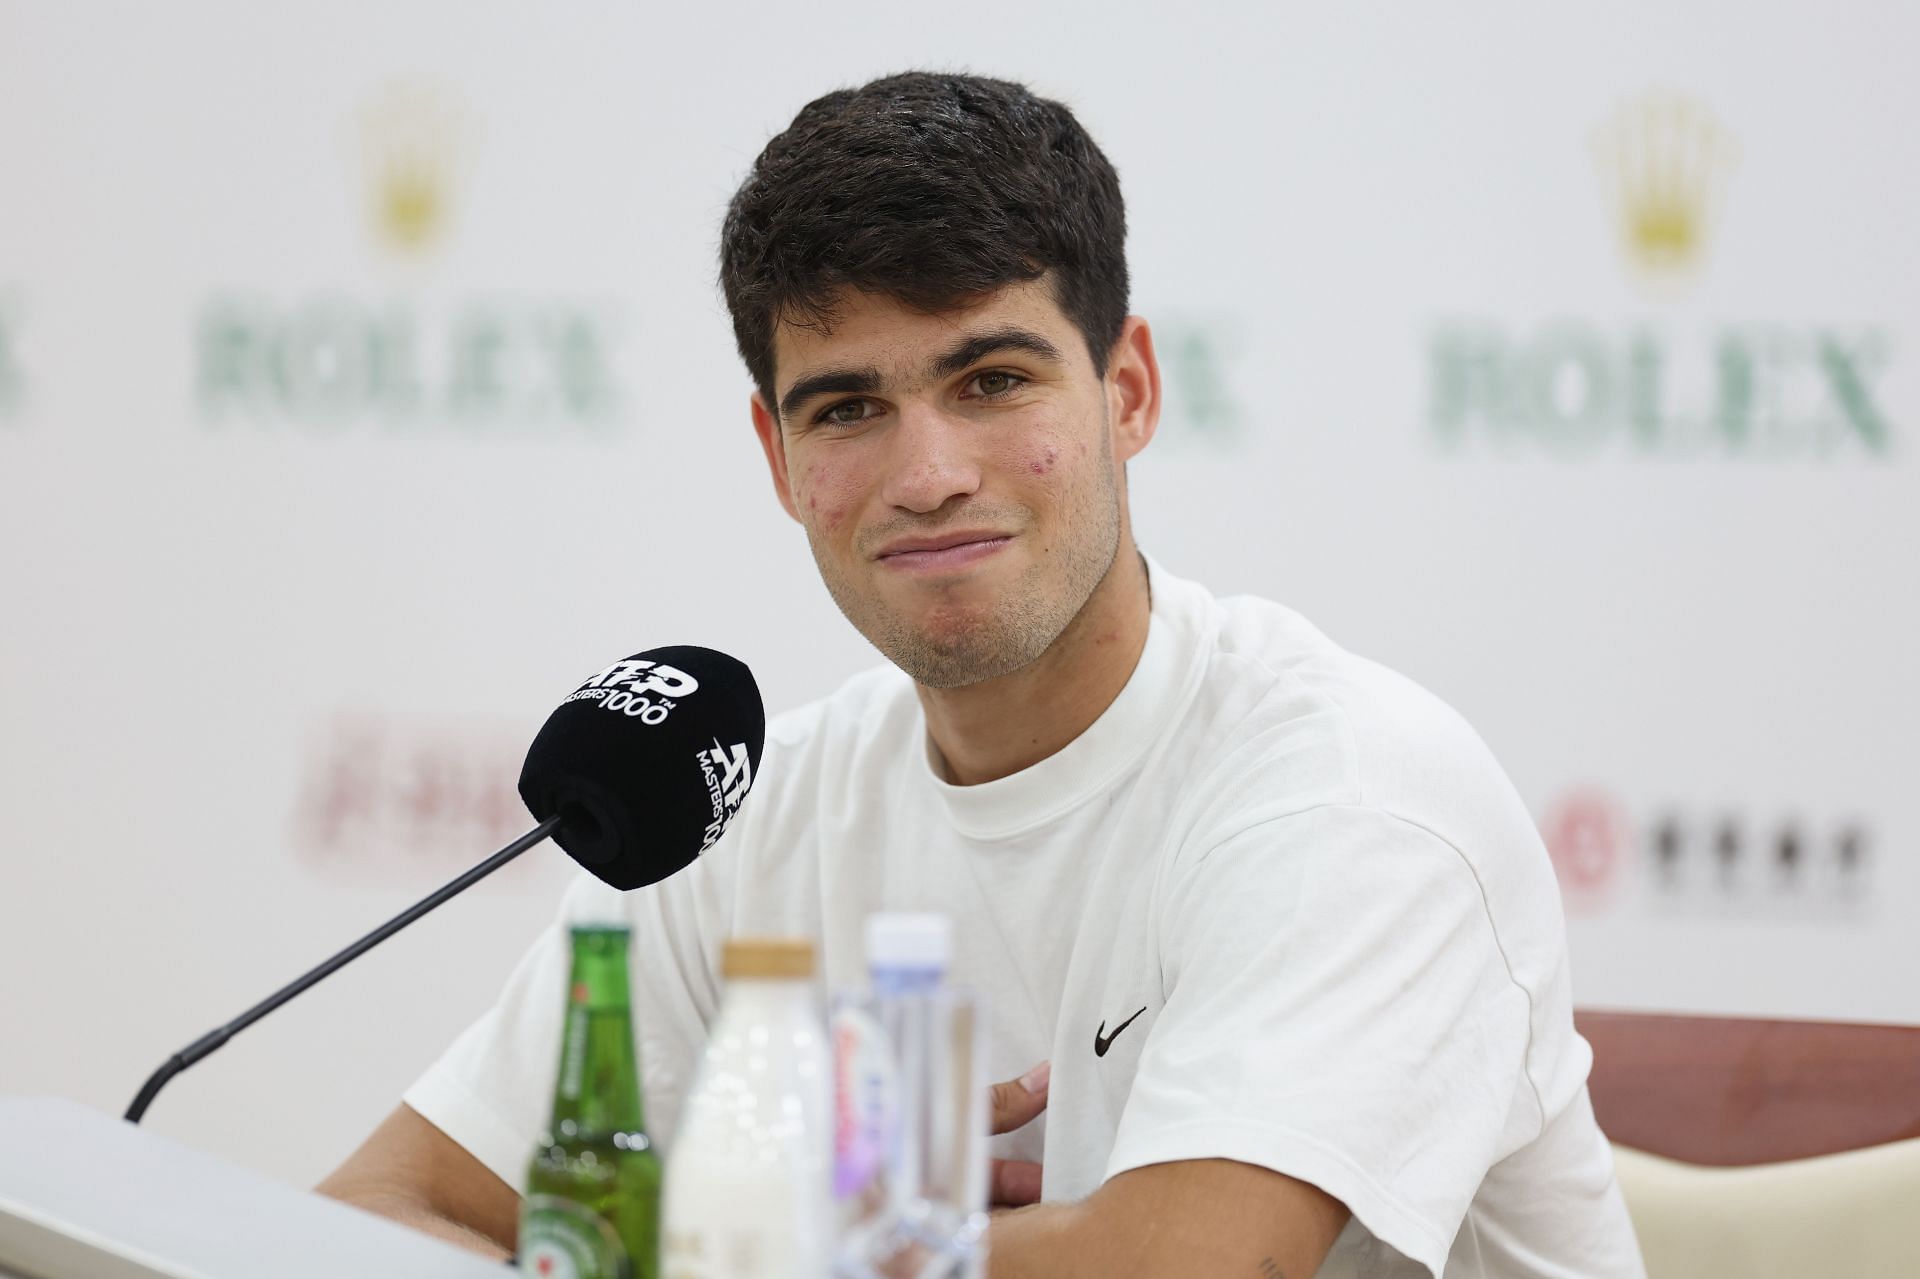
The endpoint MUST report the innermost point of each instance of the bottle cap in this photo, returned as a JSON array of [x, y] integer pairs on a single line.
[[901, 940], [753, 957]]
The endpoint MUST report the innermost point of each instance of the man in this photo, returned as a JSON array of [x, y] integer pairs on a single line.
[[1273, 922]]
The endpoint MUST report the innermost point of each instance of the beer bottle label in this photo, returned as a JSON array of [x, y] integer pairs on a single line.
[[561, 1240]]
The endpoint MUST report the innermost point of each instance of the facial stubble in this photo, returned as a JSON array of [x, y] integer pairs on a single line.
[[965, 643]]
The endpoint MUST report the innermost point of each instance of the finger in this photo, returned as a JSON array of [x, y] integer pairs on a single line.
[[1015, 1184], [1017, 1101]]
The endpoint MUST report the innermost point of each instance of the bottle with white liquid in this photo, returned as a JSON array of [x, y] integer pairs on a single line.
[[748, 1190]]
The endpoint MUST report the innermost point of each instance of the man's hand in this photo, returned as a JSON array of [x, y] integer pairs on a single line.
[[1017, 1103]]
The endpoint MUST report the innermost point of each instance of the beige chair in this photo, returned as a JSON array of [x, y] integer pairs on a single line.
[[1756, 1149]]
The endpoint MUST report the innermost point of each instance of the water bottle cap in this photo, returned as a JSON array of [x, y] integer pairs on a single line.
[[901, 940]]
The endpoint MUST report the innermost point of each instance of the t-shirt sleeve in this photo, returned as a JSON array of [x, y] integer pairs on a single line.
[[1338, 1009], [492, 1089]]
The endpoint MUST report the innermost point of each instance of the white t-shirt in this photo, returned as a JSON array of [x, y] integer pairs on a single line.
[[1292, 890]]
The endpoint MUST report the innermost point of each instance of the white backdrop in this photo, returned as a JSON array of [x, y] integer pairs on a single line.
[[363, 382]]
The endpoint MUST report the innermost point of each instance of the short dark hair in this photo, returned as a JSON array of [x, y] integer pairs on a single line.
[[932, 189]]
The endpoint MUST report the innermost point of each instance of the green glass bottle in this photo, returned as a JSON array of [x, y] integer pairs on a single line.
[[592, 1207]]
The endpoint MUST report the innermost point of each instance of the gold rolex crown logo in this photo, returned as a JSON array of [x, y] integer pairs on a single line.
[[1663, 159], [410, 208], [411, 136]]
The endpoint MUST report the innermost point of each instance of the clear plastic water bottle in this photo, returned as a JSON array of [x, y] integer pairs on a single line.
[[910, 1130]]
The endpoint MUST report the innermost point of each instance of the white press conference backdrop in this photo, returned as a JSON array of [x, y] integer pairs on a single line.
[[363, 383]]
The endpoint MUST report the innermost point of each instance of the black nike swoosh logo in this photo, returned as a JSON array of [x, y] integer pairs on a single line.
[[1103, 1041]]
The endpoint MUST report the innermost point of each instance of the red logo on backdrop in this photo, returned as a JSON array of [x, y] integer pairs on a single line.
[[403, 798], [1588, 837]]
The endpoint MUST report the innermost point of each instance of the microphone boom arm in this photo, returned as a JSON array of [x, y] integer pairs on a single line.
[[214, 1039]]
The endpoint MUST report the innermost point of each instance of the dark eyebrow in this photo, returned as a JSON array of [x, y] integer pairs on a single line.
[[830, 382], [866, 381], [972, 349]]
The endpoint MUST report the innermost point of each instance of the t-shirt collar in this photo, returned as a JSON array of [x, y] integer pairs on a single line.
[[1161, 682]]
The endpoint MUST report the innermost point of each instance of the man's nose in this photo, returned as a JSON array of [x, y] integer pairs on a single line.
[[932, 460]]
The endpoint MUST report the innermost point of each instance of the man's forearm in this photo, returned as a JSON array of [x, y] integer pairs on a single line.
[[411, 1212], [1212, 1217], [1039, 1242]]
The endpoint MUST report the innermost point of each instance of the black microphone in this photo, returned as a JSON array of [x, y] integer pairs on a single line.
[[685, 721], [635, 774]]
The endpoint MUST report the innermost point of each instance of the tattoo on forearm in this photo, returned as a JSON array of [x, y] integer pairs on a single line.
[[1268, 1270]]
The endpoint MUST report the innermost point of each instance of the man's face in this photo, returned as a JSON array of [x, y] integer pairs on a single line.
[[955, 473]]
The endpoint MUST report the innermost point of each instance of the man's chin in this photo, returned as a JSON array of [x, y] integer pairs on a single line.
[[957, 647], [945, 611], [954, 669], [948, 633]]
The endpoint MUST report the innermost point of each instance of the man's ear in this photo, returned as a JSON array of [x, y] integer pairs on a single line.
[[1133, 389], [767, 427]]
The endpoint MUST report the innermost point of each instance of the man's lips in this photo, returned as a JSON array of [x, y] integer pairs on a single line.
[[945, 552]]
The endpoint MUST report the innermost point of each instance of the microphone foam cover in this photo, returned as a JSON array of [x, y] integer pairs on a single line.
[[647, 761]]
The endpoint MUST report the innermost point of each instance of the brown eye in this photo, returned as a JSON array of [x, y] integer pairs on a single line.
[[848, 413], [996, 384]]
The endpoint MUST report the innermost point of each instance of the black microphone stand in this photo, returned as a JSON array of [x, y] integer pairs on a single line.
[[213, 1039]]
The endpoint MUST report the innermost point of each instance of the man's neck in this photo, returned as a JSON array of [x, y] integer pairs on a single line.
[[987, 731]]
